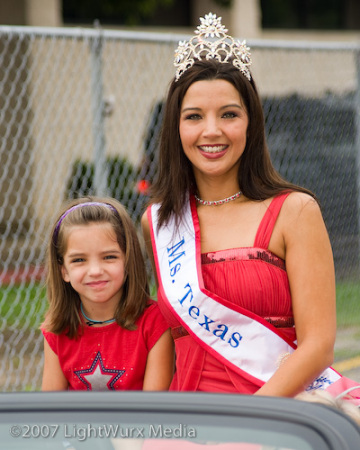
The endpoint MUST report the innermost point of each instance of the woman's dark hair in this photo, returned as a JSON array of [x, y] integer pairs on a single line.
[[257, 177]]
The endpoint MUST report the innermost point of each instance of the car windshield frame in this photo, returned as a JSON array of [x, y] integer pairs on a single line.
[[194, 420]]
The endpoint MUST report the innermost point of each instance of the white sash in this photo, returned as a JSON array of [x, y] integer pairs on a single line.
[[238, 338]]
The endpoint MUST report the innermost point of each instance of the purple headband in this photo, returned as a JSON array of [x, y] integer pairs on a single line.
[[79, 205]]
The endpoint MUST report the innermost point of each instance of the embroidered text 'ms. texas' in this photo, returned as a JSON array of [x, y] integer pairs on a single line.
[[220, 330]]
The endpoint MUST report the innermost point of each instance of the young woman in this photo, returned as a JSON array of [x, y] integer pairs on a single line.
[[101, 330], [243, 258]]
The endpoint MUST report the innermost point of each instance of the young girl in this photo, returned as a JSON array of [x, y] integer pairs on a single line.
[[101, 329]]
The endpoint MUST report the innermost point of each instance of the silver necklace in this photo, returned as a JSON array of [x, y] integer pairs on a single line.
[[218, 202]]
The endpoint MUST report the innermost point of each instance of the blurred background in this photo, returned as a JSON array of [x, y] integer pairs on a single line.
[[82, 84]]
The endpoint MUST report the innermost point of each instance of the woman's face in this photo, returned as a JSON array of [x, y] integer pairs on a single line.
[[213, 126]]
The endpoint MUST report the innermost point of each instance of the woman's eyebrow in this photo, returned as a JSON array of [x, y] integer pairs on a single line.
[[232, 105], [191, 108]]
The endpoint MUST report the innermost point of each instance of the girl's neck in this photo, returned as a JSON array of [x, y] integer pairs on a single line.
[[92, 319]]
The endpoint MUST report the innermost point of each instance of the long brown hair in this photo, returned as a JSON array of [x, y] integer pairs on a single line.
[[64, 302], [257, 177]]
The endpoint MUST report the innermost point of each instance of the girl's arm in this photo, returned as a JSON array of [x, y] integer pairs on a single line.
[[310, 268], [53, 376], [160, 364]]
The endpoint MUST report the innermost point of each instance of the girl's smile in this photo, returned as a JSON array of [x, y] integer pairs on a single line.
[[94, 264], [97, 284]]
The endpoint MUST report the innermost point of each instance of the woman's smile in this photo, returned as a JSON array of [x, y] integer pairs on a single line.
[[212, 148], [213, 151]]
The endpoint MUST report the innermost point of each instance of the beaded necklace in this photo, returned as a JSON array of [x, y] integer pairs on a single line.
[[92, 322], [218, 202]]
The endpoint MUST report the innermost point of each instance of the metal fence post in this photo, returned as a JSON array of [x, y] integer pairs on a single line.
[[100, 166], [357, 139]]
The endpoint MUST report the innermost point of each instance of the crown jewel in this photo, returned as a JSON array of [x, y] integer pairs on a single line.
[[221, 47]]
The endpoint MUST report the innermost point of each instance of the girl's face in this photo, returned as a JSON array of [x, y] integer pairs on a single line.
[[213, 125], [94, 265]]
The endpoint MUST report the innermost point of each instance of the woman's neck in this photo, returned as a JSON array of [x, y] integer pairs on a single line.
[[216, 191]]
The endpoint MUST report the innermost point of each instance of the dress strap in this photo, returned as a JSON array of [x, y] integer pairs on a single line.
[[267, 223]]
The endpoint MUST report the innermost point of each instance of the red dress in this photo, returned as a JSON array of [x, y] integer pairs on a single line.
[[109, 357], [253, 278]]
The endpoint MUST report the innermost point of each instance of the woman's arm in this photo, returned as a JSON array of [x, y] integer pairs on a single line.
[[160, 364], [53, 376], [310, 268]]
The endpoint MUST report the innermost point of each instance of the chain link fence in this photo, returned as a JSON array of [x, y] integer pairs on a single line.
[[80, 113]]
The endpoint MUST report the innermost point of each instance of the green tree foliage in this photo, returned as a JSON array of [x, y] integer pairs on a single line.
[[224, 3], [127, 12], [303, 14]]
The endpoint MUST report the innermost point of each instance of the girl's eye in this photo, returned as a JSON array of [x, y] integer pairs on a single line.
[[77, 260], [110, 257]]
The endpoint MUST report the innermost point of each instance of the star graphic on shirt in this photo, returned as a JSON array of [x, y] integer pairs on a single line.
[[97, 377]]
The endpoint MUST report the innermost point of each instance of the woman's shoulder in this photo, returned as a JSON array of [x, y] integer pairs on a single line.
[[144, 217], [145, 225], [299, 216], [297, 203]]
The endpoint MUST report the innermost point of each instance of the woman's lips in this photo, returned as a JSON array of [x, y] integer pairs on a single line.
[[213, 151]]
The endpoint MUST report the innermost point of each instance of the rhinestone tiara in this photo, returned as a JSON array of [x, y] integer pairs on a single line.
[[221, 47]]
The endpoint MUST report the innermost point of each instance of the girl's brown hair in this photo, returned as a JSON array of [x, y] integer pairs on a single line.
[[64, 302], [257, 177]]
